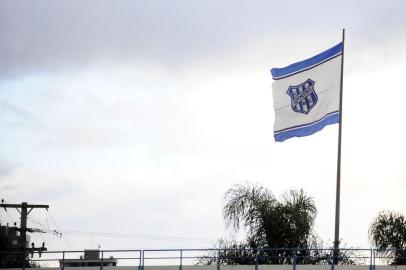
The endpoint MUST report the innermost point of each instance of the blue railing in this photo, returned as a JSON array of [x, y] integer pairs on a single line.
[[218, 257]]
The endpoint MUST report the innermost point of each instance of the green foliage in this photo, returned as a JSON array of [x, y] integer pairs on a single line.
[[321, 253], [278, 231], [388, 233], [231, 252], [270, 223]]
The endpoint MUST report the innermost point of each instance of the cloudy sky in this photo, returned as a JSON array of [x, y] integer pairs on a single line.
[[134, 117]]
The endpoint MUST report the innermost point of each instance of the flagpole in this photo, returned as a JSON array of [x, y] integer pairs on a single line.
[[338, 185]]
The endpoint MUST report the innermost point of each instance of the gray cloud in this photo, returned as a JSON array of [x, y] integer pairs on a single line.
[[21, 183], [14, 115], [6, 107], [59, 34], [6, 169], [56, 35]]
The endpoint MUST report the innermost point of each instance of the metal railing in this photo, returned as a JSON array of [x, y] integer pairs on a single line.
[[256, 257], [62, 258], [218, 257]]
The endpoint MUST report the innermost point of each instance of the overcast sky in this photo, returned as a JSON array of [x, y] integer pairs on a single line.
[[135, 117]]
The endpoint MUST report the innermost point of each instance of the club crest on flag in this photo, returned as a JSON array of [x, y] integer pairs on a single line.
[[303, 97]]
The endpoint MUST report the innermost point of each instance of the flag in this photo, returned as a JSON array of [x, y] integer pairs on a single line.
[[306, 94]]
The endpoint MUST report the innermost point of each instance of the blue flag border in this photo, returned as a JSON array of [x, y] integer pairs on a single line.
[[307, 129], [281, 73]]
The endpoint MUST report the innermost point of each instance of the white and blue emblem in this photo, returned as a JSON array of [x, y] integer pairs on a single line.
[[303, 97]]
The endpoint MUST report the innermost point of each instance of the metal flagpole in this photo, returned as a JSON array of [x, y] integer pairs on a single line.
[[337, 217]]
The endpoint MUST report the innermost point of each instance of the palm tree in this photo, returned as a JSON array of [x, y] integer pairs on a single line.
[[388, 234], [270, 223]]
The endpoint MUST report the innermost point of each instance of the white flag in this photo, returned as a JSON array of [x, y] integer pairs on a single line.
[[306, 94]]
